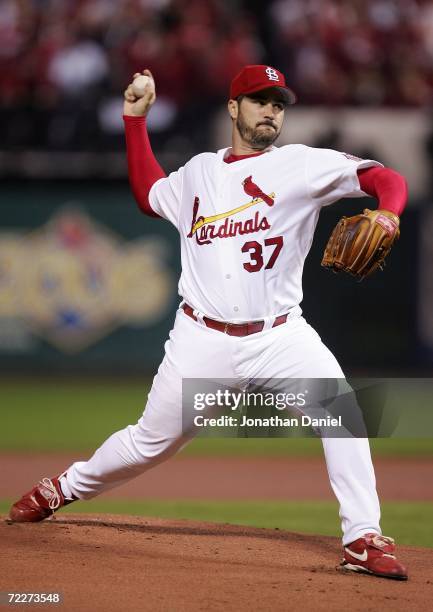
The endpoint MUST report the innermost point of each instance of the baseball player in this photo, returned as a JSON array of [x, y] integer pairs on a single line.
[[246, 216]]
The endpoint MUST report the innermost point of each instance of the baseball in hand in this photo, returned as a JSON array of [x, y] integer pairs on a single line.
[[140, 84]]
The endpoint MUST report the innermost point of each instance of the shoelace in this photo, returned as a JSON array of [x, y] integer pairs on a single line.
[[379, 539], [55, 500]]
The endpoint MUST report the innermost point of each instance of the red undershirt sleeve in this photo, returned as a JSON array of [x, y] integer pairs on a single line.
[[387, 185], [143, 168]]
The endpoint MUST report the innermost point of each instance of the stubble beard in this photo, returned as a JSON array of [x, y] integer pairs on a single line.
[[254, 137]]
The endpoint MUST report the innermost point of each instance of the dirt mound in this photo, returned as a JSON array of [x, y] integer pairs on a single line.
[[117, 563]]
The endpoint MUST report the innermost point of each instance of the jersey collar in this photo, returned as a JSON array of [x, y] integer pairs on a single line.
[[221, 153]]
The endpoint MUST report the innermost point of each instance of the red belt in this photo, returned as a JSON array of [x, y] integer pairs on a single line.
[[235, 329]]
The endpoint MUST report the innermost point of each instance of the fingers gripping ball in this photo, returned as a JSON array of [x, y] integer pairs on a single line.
[[140, 84], [359, 245]]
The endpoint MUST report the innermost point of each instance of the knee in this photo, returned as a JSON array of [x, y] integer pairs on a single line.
[[153, 445]]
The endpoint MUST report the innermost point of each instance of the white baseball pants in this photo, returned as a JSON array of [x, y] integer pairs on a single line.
[[291, 350]]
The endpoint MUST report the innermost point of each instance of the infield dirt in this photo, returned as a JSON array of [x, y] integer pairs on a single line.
[[184, 477], [118, 563]]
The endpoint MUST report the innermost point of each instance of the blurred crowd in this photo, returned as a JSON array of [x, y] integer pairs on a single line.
[[65, 63]]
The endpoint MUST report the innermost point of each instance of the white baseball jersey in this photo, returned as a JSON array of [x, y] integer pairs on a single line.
[[246, 227]]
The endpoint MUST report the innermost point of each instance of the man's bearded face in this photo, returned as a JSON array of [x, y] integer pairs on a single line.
[[259, 120]]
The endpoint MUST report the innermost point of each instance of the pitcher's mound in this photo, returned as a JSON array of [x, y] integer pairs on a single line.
[[119, 563]]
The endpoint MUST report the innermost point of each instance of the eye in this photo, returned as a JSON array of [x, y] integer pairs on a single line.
[[279, 106]]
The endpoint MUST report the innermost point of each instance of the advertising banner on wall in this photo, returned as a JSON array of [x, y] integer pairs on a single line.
[[87, 281], [89, 284]]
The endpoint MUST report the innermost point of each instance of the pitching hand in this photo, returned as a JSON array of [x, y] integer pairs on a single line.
[[139, 107]]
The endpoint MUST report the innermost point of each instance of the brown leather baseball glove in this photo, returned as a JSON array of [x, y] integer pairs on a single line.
[[359, 244]]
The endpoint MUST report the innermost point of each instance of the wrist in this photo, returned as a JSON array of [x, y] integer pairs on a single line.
[[394, 218], [137, 119]]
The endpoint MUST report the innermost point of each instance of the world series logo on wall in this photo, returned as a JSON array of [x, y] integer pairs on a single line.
[[73, 281]]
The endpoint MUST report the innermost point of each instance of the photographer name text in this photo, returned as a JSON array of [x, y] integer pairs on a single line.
[[273, 421]]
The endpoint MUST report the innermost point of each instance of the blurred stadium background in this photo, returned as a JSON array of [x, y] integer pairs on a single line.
[[88, 285], [86, 282]]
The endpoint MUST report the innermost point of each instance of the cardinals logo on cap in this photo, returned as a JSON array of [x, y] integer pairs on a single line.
[[271, 73]]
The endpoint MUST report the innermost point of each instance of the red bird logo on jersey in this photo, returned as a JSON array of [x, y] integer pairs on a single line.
[[205, 230], [255, 192]]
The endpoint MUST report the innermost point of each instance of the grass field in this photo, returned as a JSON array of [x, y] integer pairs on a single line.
[[77, 416], [408, 523]]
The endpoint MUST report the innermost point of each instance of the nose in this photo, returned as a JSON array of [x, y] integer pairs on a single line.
[[269, 111]]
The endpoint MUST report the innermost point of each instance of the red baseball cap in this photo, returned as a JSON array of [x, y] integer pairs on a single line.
[[255, 78]]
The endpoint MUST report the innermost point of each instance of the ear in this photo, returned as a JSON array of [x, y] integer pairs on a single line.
[[233, 108]]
